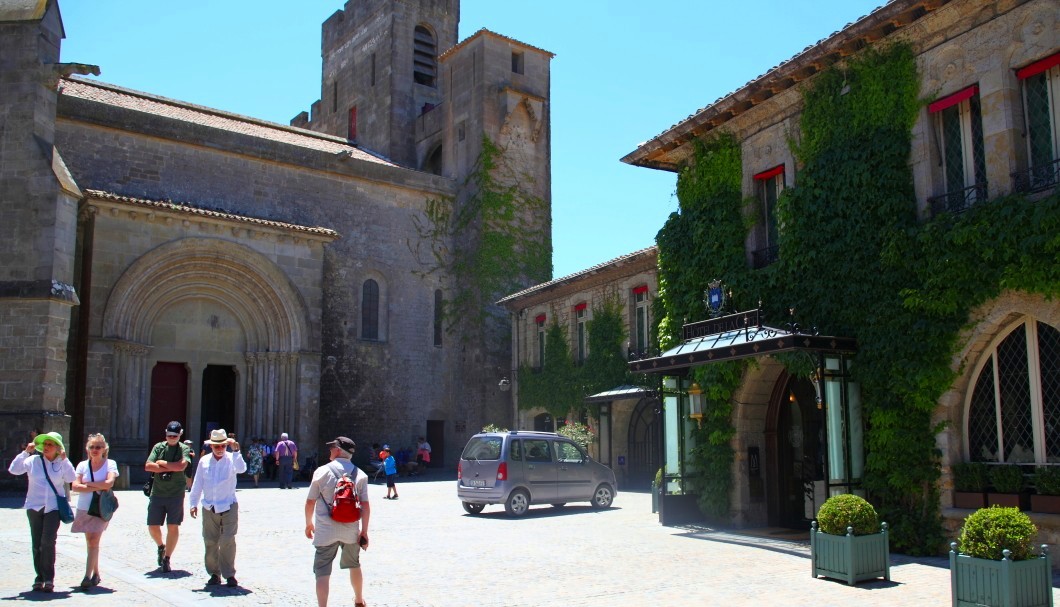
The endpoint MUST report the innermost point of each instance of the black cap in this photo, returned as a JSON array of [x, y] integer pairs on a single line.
[[174, 428], [343, 443]]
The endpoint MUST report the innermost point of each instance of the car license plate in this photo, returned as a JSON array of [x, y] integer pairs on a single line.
[[477, 483]]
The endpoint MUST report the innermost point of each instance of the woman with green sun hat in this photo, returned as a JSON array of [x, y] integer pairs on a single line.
[[44, 461]]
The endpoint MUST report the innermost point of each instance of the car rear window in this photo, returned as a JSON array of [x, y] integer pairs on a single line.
[[482, 447]]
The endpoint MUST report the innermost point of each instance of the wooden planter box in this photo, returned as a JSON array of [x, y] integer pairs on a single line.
[[972, 500], [1009, 500], [850, 558], [987, 583], [1045, 503]]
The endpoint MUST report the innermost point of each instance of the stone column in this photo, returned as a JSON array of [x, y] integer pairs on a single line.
[[131, 405]]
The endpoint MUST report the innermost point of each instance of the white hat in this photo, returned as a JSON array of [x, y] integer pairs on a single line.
[[218, 437], [283, 436]]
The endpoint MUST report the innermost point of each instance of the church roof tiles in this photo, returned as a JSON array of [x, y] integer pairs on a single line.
[[128, 99]]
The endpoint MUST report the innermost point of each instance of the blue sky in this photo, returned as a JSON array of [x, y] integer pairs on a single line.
[[624, 72]]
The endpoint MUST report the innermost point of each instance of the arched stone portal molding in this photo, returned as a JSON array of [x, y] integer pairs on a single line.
[[129, 422], [269, 308], [272, 314]]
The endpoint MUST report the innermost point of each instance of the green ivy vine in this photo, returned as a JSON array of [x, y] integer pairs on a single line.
[[560, 385], [489, 241], [851, 216]]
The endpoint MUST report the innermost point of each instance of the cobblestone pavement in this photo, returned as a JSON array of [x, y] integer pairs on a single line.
[[426, 552]]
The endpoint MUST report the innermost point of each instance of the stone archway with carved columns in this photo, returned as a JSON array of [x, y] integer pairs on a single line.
[[275, 361], [750, 408]]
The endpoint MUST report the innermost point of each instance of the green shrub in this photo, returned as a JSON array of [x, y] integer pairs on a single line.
[[841, 511], [1007, 478], [658, 478], [970, 476], [989, 531], [493, 428], [1047, 480]]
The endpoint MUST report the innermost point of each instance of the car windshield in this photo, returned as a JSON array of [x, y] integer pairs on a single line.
[[482, 447]]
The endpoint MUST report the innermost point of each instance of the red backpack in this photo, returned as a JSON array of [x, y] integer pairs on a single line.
[[346, 507]]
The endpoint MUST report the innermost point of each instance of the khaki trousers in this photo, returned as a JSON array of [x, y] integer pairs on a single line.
[[219, 535]]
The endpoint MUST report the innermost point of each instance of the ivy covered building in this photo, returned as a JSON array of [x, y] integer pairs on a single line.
[[894, 184], [571, 337], [162, 260]]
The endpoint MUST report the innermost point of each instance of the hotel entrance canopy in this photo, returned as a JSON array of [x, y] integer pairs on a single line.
[[735, 336]]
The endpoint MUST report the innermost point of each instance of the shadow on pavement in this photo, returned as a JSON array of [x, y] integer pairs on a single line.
[[39, 597], [537, 512], [176, 574], [216, 591]]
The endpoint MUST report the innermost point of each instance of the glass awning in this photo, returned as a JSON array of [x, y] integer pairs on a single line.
[[619, 393], [746, 342]]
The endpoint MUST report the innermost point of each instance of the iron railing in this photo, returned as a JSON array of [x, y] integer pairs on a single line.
[[1037, 178], [958, 201]]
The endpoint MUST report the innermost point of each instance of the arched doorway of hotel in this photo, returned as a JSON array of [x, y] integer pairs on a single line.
[[169, 399], [795, 443], [644, 445], [218, 400]]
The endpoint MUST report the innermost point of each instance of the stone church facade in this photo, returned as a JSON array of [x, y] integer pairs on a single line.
[[163, 260]]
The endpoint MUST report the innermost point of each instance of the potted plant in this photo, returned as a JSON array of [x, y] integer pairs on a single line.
[[969, 485], [848, 543], [1046, 497], [1009, 487], [656, 488], [996, 566]]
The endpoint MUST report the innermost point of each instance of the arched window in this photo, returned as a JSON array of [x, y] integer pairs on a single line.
[[1014, 409], [370, 310], [424, 57]]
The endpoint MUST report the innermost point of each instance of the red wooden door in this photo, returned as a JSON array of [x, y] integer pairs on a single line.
[[169, 398]]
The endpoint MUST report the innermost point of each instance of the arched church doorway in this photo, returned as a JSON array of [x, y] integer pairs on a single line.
[[797, 447], [169, 398], [644, 445], [218, 400]]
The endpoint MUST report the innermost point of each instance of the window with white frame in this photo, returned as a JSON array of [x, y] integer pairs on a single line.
[[1014, 407], [640, 299], [540, 322], [1040, 86], [768, 186], [959, 136], [581, 317]]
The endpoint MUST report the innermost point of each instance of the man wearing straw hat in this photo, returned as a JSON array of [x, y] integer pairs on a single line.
[[215, 483]]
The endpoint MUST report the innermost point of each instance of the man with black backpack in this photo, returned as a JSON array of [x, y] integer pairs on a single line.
[[338, 519], [167, 463]]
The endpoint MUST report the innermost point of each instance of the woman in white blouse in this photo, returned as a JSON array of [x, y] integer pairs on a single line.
[[97, 473], [44, 460]]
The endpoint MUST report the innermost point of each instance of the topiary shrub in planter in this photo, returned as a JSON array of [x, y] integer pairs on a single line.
[[996, 566], [1046, 497], [848, 543], [1009, 487], [969, 485]]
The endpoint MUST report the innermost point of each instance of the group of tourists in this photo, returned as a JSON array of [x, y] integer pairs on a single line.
[[213, 488]]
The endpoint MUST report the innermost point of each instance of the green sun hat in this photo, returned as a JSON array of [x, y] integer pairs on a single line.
[[55, 437]]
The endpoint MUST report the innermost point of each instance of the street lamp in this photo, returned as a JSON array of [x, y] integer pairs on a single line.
[[695, 399]]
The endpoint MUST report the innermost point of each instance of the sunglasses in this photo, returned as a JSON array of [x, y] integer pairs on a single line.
[[49, 444], [95, 447], [219, 446], [172, 436]]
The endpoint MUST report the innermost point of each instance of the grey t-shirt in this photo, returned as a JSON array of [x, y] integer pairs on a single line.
[[323, 485]]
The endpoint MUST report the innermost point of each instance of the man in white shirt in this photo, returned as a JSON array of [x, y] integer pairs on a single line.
[[215, 484], [329, 536]]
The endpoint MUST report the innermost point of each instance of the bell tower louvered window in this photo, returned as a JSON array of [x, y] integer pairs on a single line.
[[425, 57]]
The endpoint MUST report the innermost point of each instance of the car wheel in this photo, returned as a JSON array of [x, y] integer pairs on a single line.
[[518, 503], [473, 508], [602, 497], [559, 505]]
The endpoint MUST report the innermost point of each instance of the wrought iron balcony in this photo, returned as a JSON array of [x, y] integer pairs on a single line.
[[1037, 178], [761, 258], [958, 201]]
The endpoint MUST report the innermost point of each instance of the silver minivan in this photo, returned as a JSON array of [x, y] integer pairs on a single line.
[[520, 468]]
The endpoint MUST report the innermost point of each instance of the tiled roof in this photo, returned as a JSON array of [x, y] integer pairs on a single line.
[[651, 251], [181, 207], [123, 98], [485, 31]]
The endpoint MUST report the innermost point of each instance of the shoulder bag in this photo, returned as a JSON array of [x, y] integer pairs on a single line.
[[66, 514], [151, 479], [103, 503]]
